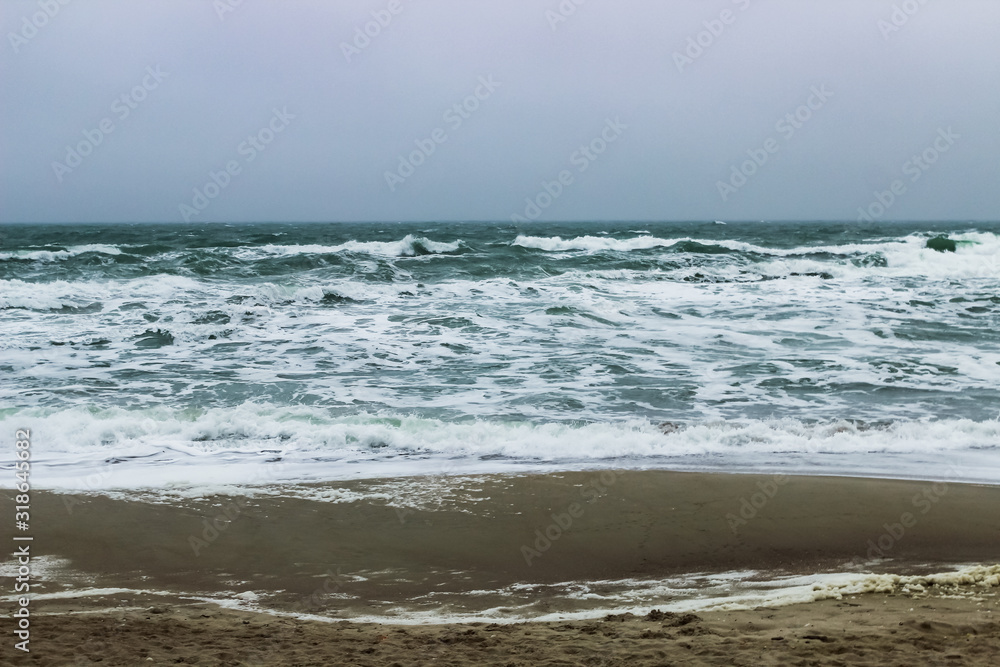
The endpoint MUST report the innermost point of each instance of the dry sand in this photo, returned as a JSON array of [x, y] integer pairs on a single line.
[[859, 630], [362, 548]]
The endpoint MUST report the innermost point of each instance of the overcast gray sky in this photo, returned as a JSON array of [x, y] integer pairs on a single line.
[[693, 89]]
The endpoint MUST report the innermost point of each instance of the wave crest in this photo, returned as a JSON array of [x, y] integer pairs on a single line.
[[163, 439], [60, 254], [408, 246]]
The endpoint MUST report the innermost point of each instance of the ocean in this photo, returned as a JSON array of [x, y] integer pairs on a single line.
[[164, 355]]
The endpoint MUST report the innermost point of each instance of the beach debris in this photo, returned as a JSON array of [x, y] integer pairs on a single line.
[[619, 618], [670, 619], [677, 620], [470, 636]]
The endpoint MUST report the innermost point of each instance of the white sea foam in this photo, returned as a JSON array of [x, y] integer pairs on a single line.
[[978, 254], [592, 243], [56, 255], [697, 592], [39, 296], [693, 592], [408, 246], [59, 293], [87, 450]]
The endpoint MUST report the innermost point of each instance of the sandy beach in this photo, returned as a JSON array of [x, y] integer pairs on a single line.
[[443, 570], [868, 629]]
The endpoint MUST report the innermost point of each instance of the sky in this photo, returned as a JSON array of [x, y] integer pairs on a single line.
[[538, 110]]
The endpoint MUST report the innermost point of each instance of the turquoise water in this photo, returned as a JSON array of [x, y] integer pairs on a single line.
[[557, 342]]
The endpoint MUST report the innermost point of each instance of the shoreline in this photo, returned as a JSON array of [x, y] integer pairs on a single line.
[[932, 627], [262, 475], [391, 540], [406, 553]]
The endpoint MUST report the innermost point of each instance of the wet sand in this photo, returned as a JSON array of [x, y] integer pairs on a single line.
[[398, 547]]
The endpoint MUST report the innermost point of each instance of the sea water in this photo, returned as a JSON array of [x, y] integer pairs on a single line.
[[145, 355]]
